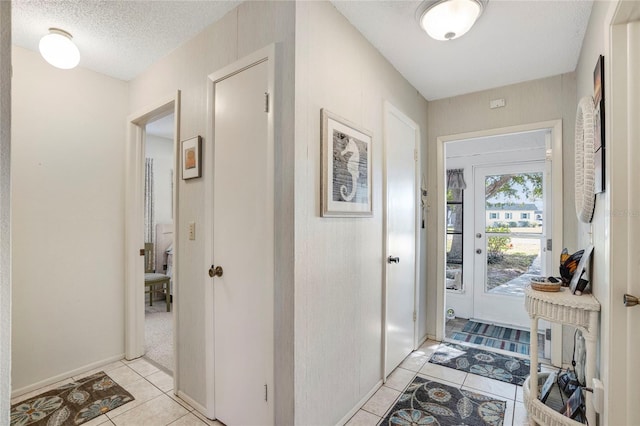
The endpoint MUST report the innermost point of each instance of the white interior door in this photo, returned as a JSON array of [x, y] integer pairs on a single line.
[[401, 136], [633, 284], [243, 239], [510, 239]]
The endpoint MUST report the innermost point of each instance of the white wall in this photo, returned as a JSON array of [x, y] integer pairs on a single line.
[[5, 210], [251, 26], [530, 102], [68, 210], [339, 261], [161, 150], [607, 229]]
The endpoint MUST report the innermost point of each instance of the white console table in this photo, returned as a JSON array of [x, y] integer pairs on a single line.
[[565, 308]]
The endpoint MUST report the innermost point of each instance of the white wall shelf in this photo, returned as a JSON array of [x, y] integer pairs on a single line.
[[565, 308]]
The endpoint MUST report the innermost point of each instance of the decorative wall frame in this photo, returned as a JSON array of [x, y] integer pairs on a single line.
[[346, 175], [584, 162], [191, 150]]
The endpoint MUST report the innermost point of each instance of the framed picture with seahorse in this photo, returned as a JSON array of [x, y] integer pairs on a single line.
[[346, 168]]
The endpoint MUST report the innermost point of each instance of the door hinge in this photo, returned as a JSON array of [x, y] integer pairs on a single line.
[[415, 155], [549, 244], [415, 316], [547, 334], [266, 393], [266, 101]]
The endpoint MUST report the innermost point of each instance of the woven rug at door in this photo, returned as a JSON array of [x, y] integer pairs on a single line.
[[493, 336], [497, 332], [426, 402], [483, 363], [505, 345], [71, 404]]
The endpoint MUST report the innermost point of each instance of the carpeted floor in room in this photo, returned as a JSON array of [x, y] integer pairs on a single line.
[[158, 334]]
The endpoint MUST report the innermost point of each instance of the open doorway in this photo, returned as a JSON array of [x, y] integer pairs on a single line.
[[498, 230], [159, 280]]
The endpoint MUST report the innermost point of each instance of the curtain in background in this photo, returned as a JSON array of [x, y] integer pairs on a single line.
[[455, 179], [149, 228]]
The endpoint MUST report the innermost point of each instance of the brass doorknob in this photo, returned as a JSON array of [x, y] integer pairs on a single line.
[[630, 300], [215, 271]]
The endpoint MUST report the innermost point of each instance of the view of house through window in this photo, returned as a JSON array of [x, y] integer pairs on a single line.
[[513, 246]]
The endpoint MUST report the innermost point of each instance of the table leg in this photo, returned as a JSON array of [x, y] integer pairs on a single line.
[[533, 356]]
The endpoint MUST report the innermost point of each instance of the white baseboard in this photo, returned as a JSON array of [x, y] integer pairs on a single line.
[[359, 405], [198, 407], [431, 337], [421, 341], [64, 376]]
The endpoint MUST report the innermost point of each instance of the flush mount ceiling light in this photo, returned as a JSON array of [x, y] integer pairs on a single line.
[[58, 49], [449, 19]]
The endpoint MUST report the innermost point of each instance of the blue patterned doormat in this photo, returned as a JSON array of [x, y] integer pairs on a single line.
[[426, 402], [71, 404], [483, 363], [519, 348], [497, 332], [493, 336]]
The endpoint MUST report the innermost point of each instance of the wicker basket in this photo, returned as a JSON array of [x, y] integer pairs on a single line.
[[545, 286]]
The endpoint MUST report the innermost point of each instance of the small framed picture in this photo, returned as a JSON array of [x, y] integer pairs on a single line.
[[546, 388], [192, 158], [346, 181], [575, 280]]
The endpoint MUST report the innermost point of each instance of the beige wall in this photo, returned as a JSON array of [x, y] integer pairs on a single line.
[[530, 102], [5, 210], [68, 219], [244, 30], [338, 265]]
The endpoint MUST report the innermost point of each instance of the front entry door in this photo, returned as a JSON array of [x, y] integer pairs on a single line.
[[243, 239], [401, 136], [510, 239]]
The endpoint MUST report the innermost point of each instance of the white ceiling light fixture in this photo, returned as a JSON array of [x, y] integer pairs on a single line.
[[449, 19], [59, 50]]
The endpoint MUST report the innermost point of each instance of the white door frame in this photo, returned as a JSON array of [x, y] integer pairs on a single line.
[[482, 303], [621, 202], [556, 156], [265, 54], [134, 224], [390, 109]]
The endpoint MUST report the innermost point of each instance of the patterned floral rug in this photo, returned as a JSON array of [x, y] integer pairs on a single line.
[[483, 363], [426, 402], [71, 404]]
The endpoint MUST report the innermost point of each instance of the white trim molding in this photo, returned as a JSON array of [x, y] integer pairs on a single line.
[[134, 224], [555, 126]]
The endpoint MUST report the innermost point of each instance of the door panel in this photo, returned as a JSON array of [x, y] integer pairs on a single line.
[[243, 247], [510, 232], [400, 141]]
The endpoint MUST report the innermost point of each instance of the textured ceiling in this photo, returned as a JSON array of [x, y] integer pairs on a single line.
[[117, 38], [513, 41]]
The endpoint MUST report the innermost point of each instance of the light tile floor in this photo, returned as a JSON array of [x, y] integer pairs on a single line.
[[416, 364], [154, 404]]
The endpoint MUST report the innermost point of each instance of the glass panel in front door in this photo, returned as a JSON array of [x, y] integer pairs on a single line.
[[513, 225]]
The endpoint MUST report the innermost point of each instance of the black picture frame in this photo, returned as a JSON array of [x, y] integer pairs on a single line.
[[599, 125], [191, 158]]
